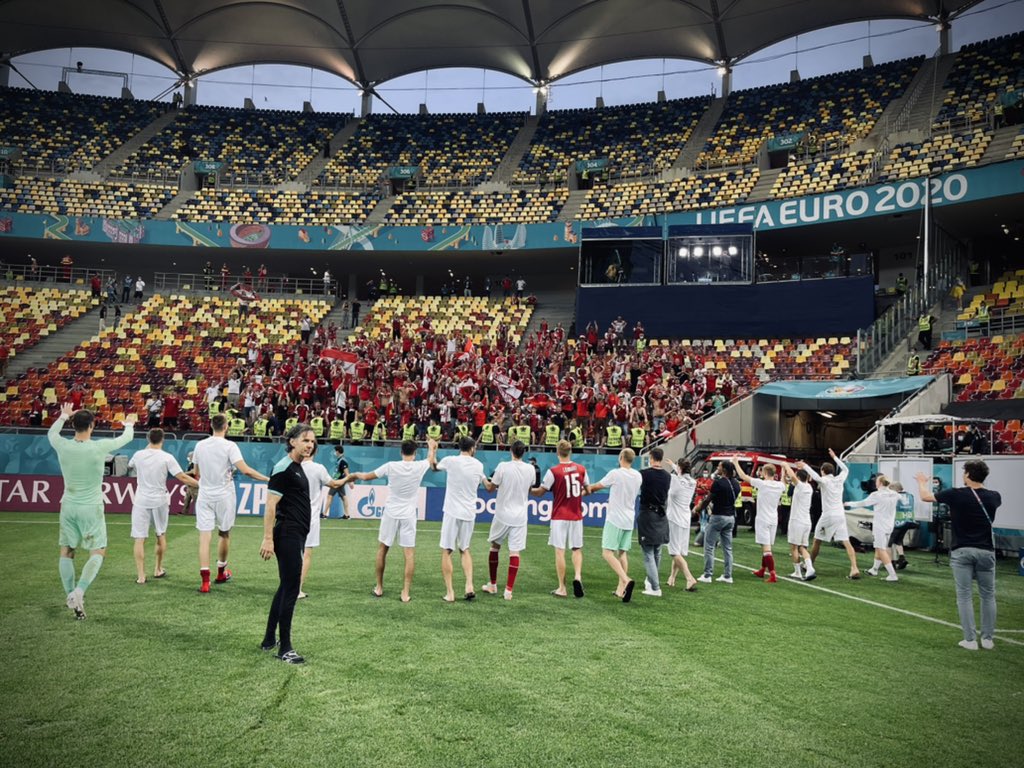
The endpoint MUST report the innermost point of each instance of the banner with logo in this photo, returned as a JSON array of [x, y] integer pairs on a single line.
[[842, 390], [785, 141]]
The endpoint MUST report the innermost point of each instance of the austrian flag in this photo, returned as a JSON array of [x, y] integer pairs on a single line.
[[347, 359]]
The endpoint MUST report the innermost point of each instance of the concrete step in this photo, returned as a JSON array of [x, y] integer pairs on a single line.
[[570, 211], [57, 344], [126, 150], [380, 211], [174, 204], [701, 133], [510, 162], [555, 307], [1001, 142], [316, 166], [887, 120], [763, 188]]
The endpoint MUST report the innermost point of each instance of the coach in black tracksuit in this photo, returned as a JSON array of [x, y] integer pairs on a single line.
[[285, 527]]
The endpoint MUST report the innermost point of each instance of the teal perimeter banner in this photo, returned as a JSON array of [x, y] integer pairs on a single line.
[[880, 200], [845, 390]]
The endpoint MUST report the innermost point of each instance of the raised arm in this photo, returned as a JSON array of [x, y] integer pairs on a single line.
[[112, 444], [809, 470], [739, 470], [53, 433], [924, 487]]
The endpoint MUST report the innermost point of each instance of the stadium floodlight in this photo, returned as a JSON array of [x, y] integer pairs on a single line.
[[698, 251], [716, 250], [684, 252], [733, 250]]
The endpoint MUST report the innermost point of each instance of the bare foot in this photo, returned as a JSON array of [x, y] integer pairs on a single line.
[[671, 581], [448, 598], [377, 592], [141, 581], [405, 597]]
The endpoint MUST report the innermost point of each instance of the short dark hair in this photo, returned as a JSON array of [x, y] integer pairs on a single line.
[[728, 470], [802, 475], [408, 447], [466, 444], [294, 433], [82, 420], [976, 470], [339, 448], [155, 436], [827, 469], [218, 422], [657, 454], [519, 449], [684, 466]]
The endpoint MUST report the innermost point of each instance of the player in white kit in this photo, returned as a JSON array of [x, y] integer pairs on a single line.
[[152, 466], [512, 480], [216, 458], [399, 517], [884, 500], [832, 524], [680, 497], [465, 474], [766, 519], [617, 535], [319, 479], [799, 529]]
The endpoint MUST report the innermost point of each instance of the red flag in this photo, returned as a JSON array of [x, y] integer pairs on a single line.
[[347, 359]]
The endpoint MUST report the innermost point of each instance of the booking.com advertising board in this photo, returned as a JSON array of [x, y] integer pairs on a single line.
[[962, 186], [30, 479]]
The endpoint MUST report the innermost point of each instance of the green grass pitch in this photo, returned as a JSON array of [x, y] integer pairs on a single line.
[[751, 674]]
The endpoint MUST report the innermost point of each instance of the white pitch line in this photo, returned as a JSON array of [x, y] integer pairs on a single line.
[[594, 535]]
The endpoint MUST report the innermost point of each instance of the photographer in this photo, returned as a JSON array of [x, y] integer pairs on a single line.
[[972, 512]]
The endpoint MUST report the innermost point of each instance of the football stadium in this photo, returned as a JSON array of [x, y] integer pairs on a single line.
[[663, 424]]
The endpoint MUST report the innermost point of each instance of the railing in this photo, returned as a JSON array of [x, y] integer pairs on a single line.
[[197, 282], [77, 277]]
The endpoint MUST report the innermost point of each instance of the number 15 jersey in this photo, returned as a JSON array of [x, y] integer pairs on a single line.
[[567, 482]]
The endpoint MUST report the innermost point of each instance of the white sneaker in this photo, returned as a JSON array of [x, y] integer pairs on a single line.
[[508, 594], [704, 579], [491, 589], [652, 592], [810, 575], [647, 585], [872, 572], [725, 579], [76, 602], [970, 645], [892, 577], [798, 574], [987, 643]]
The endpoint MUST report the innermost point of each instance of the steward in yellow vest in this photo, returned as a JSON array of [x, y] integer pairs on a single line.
[[637, 437], [357, 430], [552, 434], [487, 434], [317, 425], [380, 434], [613, 436], [337, 430]]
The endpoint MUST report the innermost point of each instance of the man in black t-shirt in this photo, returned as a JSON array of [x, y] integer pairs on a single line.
[[722, 499], [652, 519], [285, 527], [340, 472], [972, 556]]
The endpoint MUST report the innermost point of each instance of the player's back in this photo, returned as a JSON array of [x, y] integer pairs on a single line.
[[567, 487], [215, 458]]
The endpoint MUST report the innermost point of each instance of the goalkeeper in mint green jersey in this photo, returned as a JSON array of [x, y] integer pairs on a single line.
[[82, 525]]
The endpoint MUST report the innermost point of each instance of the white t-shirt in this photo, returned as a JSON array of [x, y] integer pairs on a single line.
[[680, 496], [404, 479], [464, 476], [151, 469], [831, 487], [318, 478], [514, 480], [800, 509], [884, 501], [769, 493], [234, 386], [625, 487], [216, 458]]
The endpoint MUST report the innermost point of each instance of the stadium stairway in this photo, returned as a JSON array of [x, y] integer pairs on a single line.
[[555, 307], [763, 189], [701, 133], [57, 344], [1001, 142], [316, 166], [926, 100], [380, 211], [510, 162], [186, 191], [119, 155], [572, 206]]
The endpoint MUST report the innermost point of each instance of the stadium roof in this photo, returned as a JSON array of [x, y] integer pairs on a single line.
[[372, 41]]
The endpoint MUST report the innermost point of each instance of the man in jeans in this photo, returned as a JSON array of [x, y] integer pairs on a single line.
[[652, 519], [972, 513], [722, 498]]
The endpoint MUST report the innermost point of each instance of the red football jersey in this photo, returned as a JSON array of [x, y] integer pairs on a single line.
[[568, 482]]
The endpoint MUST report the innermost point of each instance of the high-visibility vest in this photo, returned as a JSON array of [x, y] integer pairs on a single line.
[[236, 428], [259, 427], [983, 313], [317, 424], [552, 434], [641, 344], [214, 407], [638, 437], [291, 422], [487, 434], [913, 365], [576, 437], [787, 496], [462, 430], [613, 436], [357, 430], [380, 434], [522, 432], [901, 284], [434, 432], [409, 432], [924, 323], [337, 430]]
